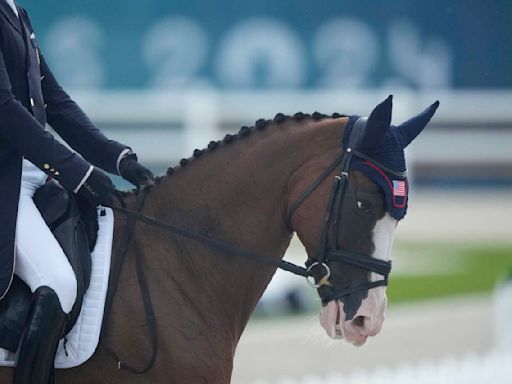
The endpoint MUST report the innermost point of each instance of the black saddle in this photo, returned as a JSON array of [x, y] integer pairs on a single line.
[[74, 223]]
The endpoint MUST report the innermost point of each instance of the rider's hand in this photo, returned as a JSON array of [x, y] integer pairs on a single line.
[[98, 189], [135, 173]]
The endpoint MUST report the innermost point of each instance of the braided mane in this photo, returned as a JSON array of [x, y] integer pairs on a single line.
[[244, 131]]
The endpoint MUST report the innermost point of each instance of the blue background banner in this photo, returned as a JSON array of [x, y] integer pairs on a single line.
[[285, 44]]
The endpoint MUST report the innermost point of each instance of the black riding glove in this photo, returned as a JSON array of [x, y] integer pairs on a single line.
[[135, 173], [98, 189]]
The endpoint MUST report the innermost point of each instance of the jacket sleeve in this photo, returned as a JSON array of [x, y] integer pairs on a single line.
[[73, 125], [19, 128]]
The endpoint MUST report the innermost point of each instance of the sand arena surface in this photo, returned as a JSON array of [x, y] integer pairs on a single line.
[[297, 346]]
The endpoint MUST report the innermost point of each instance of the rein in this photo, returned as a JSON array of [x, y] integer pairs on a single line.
[[143, 286], [211, 242]]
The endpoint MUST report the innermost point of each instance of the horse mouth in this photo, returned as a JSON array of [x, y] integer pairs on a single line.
[[331, 319]]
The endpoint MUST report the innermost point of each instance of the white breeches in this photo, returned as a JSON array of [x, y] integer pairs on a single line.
[[40, 260]]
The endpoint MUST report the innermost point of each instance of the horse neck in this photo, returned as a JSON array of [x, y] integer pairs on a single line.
[[239, 194]]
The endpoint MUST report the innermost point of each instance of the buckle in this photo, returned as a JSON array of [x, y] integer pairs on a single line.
[[323, 281]]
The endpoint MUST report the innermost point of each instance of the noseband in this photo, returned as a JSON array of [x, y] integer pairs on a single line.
[[328, 251]]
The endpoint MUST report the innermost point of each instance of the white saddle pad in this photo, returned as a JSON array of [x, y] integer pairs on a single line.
[[83, 339]]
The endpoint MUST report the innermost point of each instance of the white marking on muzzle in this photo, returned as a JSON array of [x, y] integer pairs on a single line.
[[373, 307], [383, 235]]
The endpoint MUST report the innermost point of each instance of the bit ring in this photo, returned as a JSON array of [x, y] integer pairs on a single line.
[[323, 280]]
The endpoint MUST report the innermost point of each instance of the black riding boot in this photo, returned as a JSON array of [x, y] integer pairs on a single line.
[[36, 352]]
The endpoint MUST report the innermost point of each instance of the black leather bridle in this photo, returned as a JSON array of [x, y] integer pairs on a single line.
[[328, 251]]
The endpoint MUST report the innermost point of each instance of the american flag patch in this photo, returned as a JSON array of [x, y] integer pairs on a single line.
[[398, 188]]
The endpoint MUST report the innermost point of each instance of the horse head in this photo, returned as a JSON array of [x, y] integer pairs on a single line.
[[349, 241]]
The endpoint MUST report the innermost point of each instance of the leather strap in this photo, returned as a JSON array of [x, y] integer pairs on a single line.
[[212, 243], [358, 288], [143, 286], [311, 188], [149, 313], [382, 267], [120, 256]]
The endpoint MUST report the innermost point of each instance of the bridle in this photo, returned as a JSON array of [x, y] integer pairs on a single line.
[[327, 252]]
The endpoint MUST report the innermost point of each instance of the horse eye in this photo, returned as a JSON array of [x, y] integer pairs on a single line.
[[364, 206]]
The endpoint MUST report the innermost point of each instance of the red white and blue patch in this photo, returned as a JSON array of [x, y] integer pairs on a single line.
[[398, 188]]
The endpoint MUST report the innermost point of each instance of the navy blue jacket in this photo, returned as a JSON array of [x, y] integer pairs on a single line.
[[30, 97]]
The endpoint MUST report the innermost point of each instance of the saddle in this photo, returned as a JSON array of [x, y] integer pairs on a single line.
[[74, 223]]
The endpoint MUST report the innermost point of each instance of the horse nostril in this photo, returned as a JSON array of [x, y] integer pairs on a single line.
[[359, 321]]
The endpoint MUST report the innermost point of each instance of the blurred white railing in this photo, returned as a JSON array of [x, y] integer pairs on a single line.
[[164, 126]]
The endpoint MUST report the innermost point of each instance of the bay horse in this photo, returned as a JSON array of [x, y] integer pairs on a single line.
[[252, 190]]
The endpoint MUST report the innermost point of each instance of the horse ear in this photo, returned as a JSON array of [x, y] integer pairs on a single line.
[[412, 127], [377, 125]]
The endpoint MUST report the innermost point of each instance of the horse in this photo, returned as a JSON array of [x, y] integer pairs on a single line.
[[251, 190]]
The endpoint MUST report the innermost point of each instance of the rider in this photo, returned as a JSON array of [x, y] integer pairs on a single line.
[[30, 97]]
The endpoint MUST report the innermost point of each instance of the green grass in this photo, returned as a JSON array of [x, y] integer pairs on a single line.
[[460, 269]]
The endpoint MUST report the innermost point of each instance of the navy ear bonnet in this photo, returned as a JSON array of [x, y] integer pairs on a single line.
[[378, 149], [388, 157]]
